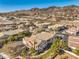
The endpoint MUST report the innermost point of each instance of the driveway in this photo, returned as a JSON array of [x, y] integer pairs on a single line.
[[3, 56]]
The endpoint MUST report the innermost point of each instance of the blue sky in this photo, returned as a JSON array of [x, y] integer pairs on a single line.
[[12, 5]]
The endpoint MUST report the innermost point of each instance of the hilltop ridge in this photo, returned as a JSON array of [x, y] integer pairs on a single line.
[[71, 9]]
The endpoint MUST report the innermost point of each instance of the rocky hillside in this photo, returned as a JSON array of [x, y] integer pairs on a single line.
[[67, 12]]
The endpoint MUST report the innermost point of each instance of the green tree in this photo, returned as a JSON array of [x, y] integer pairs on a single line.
[[23, 53], [6, 41], [57, 45], [23, 34], [32, 50], [11, 38]]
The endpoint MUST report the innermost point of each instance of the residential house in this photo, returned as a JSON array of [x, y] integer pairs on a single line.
[[35, 40]]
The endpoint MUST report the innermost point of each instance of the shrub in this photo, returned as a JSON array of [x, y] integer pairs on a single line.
[[76, 51]]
